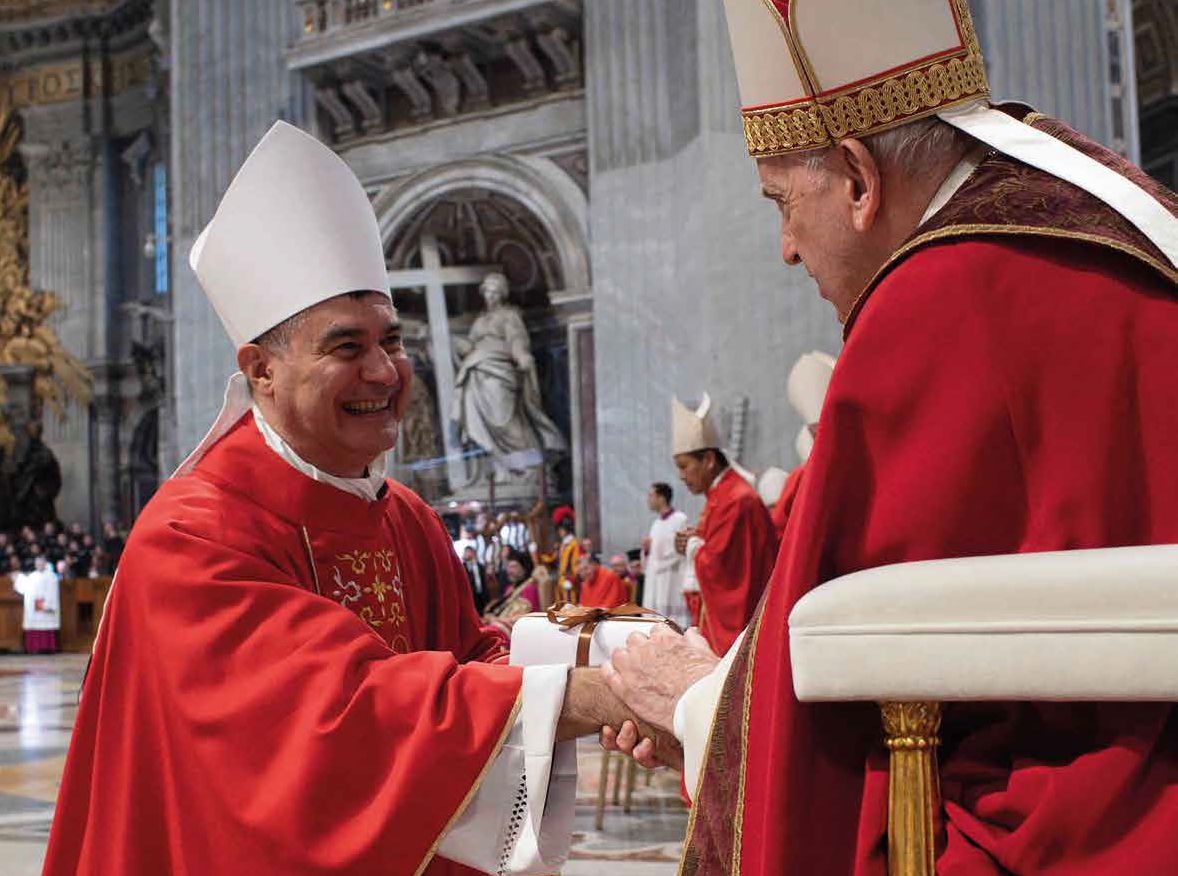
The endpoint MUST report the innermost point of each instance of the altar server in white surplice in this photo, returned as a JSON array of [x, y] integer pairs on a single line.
[[663, 565]]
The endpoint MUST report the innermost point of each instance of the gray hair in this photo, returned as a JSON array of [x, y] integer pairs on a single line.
[[907, 149]]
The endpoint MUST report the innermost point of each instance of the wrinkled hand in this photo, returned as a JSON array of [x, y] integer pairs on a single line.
[[646, 543], [652, 672]]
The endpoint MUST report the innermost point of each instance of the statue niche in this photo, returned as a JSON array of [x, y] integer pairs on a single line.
[[36, 480], [497, 402], [471, 272]]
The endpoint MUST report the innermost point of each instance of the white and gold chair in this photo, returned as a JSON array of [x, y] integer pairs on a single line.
[[1086, 625]]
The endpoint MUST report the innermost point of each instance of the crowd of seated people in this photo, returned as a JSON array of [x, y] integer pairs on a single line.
[[70, 550]]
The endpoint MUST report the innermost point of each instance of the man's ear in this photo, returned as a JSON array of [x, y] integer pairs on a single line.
[[864, 182], [257, 364]]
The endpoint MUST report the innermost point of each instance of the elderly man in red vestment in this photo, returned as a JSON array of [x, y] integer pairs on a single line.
[[598, 586], [733, 546], [290, 677], [1008, 291]]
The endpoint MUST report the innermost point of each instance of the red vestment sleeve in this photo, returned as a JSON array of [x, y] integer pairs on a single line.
[[234, 722], [781, 509]]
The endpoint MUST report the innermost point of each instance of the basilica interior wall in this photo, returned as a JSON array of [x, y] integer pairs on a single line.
[[687, 286], [690, 293]]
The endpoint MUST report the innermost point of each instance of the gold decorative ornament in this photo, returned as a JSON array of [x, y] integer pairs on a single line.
[[897, 76], [866, 109], [62, 82], [914, 792], [25, 335]]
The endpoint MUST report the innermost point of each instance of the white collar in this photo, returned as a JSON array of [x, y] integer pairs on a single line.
[[954, 181], [366, 488]]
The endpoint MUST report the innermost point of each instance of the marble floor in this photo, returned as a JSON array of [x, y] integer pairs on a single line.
[[38, 697]]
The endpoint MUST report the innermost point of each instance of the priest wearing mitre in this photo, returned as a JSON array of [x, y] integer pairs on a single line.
[[732, 548], [806, 390], [290, 676], [1007, 290]]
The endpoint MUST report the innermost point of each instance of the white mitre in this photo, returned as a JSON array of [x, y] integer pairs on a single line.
[[294, 228], [770, 484], [807, 383], [813, 73], [693, 430], [806, 390]]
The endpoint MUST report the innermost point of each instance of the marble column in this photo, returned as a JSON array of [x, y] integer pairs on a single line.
[[229, 84], [64, 256], [1056, 57]]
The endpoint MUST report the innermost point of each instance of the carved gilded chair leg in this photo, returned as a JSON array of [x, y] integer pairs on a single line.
[[914, 786], [602, 786]]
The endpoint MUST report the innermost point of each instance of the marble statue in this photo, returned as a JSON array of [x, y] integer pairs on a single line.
[[496, 392], [36, 480]]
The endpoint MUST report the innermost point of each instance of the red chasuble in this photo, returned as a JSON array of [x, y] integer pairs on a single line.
[[781, 509], [288, 680], [735, 561], [1008, 385], [993, 397], [604, 589]]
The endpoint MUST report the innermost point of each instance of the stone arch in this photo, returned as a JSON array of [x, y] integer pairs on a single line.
[[536, 183]]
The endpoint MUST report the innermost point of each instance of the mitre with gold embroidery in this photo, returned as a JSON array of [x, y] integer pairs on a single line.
[[813, 72]]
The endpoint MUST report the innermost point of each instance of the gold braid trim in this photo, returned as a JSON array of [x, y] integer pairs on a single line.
[[954, 231], [752, 637], [869, 108]]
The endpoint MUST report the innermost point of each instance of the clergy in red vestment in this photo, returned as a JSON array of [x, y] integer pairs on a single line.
[[806, 390], [1009, 295], [597, 586], [290, 676], [780, 508], [733, 546]]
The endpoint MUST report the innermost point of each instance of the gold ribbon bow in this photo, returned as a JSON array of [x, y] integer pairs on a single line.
[[587, 618]]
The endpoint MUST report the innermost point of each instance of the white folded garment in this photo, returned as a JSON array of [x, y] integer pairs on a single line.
[[1098, 624], [536, 641]]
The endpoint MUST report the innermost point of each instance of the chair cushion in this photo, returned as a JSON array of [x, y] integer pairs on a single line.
[[1070, 625]]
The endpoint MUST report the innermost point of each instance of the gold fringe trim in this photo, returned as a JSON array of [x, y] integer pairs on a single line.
[[433, 849], [699, 780], [867, 108], [981, 230], [738, 824]]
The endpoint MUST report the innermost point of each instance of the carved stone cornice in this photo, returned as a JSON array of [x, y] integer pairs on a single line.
[[40, 11], [65, 168], [24, 23], [1155, 26], [388, 65], [67, 80]]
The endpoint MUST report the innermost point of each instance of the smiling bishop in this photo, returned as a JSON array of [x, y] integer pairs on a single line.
[[290, 676]]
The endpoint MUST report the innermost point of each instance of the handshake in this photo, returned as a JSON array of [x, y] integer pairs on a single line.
[[630, 699]]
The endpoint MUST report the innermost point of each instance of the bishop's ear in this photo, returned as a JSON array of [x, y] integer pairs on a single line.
[[864, 183], [257, 364]]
